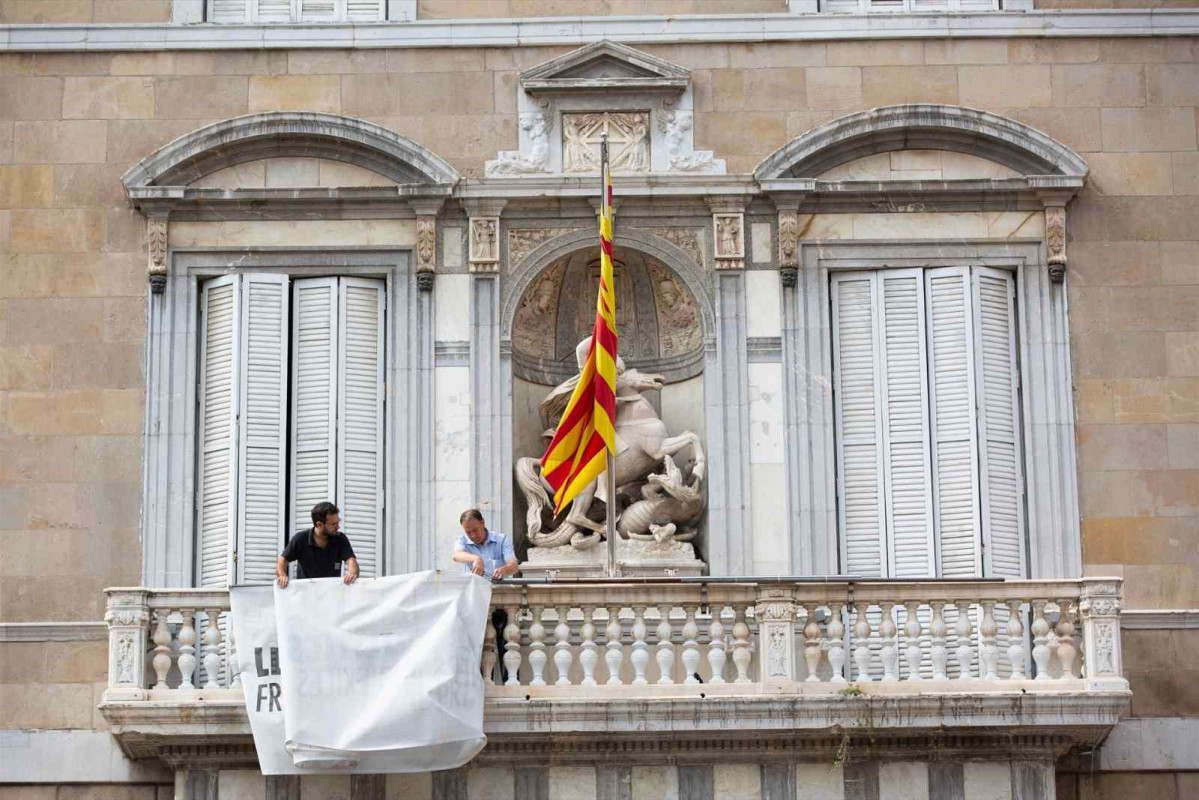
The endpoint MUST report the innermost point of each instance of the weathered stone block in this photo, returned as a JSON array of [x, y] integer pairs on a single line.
[[490, 783], [1115, 264], [1014, 86], [765, 55], [442, 93], [1172, 84], [1079, 128], [875, 54], [833, 87], [737, 781], [710, 55], [965, 51], [295, 93], [47, 705], [1180, 262], [751, 133], [66, 230], [1053, 51], [1123, 355], [1186, 173], [160, 63], [884, 86], [108, 98], [26, 187], [414, 786], [200, 97], [336, 62], [1182, 353], [109, 11], [26, 367], [1091, 85], [68, 142], [129, 141], [1147, 129], [40, 12], [225, 62], [458, 59], [88, 185], [572, 783], [1112, 447]]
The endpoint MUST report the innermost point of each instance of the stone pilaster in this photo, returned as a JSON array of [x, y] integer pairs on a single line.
[[1099, 609], [128, 618], [775, 613]]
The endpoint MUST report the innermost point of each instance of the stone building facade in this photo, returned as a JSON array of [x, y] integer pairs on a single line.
[[786, 163]]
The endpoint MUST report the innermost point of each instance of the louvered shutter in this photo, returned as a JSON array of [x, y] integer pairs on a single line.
[[229, 11], [859, 424], [217, 479], [1000, 462], [366, 10], [314, 10], [951, 392], [360, 414], [272, 10], [262, 467], [905, 425], [314, 397]]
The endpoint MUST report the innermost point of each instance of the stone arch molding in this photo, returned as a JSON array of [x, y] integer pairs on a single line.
[[922, 127], [290, 133], [550, 251]]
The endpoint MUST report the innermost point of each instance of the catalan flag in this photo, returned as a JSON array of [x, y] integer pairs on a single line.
[[586, 434]]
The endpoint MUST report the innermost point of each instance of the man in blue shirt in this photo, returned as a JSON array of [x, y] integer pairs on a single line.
[[484, 552]]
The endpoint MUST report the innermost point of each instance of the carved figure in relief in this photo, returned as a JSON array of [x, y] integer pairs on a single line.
[[676, 132], [533, 328], [678, 318], [576, 153], [483, 239], [634, 156], [642, 444], [728, 236], [536, 159], [125, 659]]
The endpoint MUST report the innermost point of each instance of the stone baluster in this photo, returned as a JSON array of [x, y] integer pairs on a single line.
[[187, 649], [234, 664], [716, 653], [741, 652], [512, 647], [890, 649], [588, 650], [640, 654], [911, 631], [964, 631], [861, 643], [1099, 614], [537, 654], [613, 649], [563, 656], [988, 654], [487, 662], [1067, 651], [212, 648], [811, 650], [128, 618], [690, 646], [836, 642], [940, 654], [162, 649], [665, 653], [1040, 640], [1015, 638]]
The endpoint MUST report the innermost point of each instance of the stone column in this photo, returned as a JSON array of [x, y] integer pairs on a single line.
[[1099, 611], [128, 618], [726, 403], [490, 381]]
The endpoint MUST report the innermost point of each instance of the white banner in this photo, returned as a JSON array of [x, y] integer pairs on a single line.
[[381, 676]]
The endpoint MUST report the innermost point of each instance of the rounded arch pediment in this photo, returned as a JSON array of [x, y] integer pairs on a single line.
[[922, 127], [290, 133], [663, 309]]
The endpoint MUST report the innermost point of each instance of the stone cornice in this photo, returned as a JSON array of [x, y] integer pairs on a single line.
[[1159, 619], [53, 631], [580, 31]]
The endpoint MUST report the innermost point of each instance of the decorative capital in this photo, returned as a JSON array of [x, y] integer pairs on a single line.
[[426, 243], [789, 239]]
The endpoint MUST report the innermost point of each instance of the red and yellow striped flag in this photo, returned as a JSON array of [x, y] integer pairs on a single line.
[[586, 434]]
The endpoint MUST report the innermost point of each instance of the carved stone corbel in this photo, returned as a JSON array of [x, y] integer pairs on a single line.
[[156, 238], [1055, 241], [789, 247], [426, 251]]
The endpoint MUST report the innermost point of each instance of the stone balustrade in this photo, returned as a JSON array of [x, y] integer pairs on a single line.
[[698, 638]]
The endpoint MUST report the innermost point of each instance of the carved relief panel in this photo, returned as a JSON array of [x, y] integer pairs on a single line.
[[628, 141]]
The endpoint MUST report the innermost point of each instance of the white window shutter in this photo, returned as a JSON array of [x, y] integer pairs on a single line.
[[857, 371], [314, 398], [229, 11], [952, 399], [1000, 460], [360, 412], [217, 479], [262, 469], [909, 499], [366, 10], [842, 6], [313, 10]]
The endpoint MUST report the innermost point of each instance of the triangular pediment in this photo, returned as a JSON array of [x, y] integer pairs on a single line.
[[605, 66]]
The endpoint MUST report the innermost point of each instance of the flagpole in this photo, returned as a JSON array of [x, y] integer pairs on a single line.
[[610, 472]]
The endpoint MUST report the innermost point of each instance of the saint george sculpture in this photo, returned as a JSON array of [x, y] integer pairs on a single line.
[[671, 499]]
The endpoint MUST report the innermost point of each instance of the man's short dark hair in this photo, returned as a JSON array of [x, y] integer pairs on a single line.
[[321, 511], [470, 513]]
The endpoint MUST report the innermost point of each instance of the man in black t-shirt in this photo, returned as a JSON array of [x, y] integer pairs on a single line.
[[320, 549]]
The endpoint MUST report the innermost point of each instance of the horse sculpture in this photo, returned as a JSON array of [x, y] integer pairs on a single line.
[[642, 445]]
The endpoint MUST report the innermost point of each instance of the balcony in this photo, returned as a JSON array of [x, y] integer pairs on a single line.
[[596, 669]]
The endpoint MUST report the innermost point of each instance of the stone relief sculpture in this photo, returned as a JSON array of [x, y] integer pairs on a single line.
[[676, 128], [678, 318], [643, 445], [533, 159], [533, 331], [686, 239], [522, 241], [728, 236], [484, 233], [668, 503], [628, 141]]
